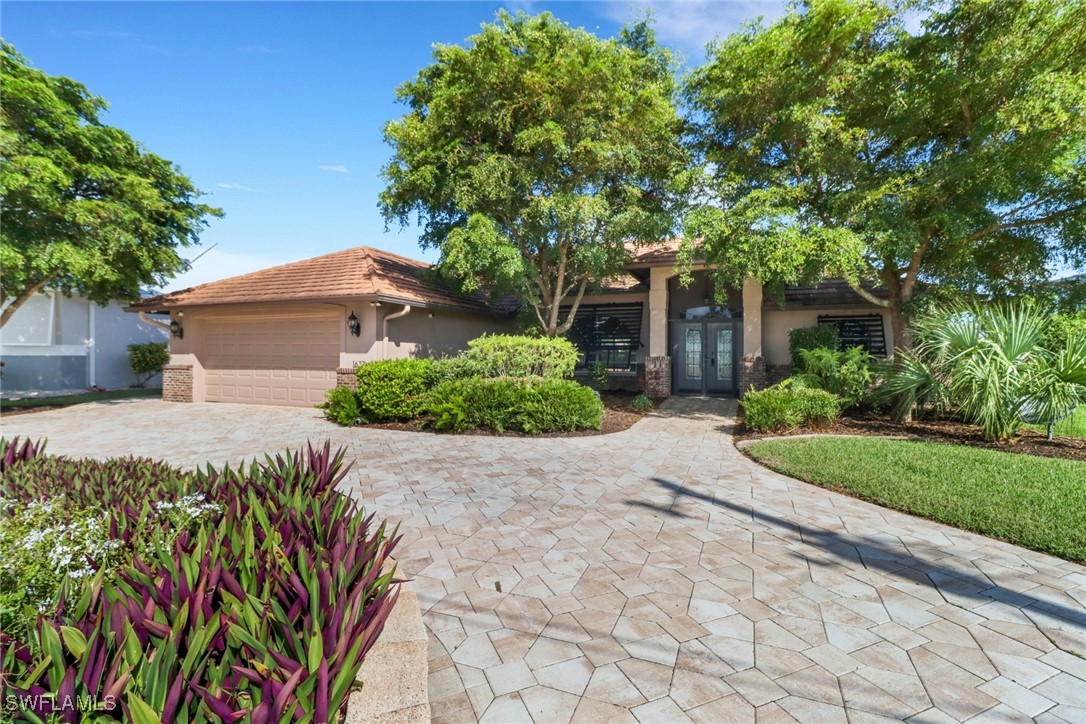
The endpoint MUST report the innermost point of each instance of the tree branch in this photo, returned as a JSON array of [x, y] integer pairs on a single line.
[[573, 310], [19, 300]]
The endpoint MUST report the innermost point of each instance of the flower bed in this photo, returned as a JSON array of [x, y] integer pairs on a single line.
[[242, 593]]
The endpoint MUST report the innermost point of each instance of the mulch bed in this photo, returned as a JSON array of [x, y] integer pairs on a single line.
[[951, 432], [618, 415]]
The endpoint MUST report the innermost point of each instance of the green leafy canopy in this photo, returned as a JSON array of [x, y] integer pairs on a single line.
[[86, 209], [532, 154], [837, 141]]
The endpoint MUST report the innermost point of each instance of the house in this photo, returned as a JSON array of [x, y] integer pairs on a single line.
[[285, 335], [53, 342]]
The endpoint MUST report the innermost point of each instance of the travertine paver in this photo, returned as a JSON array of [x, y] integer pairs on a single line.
[[658, 575]]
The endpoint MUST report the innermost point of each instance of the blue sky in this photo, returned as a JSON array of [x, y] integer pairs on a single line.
[[275, 109]]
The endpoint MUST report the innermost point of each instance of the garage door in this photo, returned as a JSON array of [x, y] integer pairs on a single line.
[[270, 361]]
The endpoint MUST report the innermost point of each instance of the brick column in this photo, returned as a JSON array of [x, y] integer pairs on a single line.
[[658, 377], [345, 377], [752, 373], [177, 383]]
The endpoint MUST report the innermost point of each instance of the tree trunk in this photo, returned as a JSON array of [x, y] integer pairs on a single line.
[[901, 337], [11, 309]]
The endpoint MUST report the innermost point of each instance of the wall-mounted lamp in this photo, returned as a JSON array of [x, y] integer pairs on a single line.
[[177, 330], [430, 315], [353, 325]]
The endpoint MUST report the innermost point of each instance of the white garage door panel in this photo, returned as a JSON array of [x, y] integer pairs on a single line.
[[271, 361]]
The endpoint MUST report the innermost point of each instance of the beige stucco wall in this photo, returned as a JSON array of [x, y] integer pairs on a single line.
[[776, 324], [418, 334]]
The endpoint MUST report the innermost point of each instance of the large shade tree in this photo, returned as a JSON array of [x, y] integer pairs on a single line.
[[837, 142], [86, 209], [530, 155]]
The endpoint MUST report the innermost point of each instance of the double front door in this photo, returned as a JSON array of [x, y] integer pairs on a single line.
[[704, 356]]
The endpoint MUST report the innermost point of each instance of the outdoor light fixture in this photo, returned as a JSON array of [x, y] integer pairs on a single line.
[[375, 304], [430, 315], [177, 330], [353, 325]]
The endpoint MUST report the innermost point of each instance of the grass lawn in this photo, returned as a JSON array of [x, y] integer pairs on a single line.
[[1036, 502], [65, 400], [1074, 426]]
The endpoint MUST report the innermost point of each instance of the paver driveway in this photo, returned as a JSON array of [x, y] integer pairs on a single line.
[[657, 574]]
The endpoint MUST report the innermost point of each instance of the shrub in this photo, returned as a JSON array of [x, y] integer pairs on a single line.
[[508, 355], [597, 375], [1062, 328], [786, 406], [393, 389], [264, 609], [147, 360], [819, 336], [847, 374], [449, 369], [642, 402], [530, 405], [341, 405], [989, 364]]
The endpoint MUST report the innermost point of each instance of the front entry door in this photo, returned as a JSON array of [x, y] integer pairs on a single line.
[[704, 356]]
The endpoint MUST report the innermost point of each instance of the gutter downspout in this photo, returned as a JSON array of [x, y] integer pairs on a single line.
[[384, 328], [91, 354], [153, 322]]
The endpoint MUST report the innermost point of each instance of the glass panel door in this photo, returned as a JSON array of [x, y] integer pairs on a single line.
[[688, 356], [721, 358]]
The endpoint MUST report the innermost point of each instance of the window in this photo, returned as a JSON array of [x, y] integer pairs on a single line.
[[607, 333], [864, 330]]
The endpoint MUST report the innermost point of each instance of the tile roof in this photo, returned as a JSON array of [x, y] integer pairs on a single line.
[[359, 272]]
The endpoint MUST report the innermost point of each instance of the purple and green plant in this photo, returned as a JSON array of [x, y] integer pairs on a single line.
[[263, 609]]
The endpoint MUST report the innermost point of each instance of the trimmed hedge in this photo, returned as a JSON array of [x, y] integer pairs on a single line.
[[783, 407], [530, 405], [510, 355], [820, 336], [393, 389]]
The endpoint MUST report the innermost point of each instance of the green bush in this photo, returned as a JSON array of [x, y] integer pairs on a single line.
[[847, 374], [989, 364], [393, 389], [449, 369], [1062, 328], [508, 355], [816, 337], [642, 402], [530, 405], [597, 375], [147, 360], [341, 405], [786, 406]]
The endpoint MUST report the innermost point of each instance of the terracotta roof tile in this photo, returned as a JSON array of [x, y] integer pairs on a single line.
[[359, 272]]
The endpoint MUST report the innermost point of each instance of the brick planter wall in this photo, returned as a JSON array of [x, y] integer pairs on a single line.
[[345, 377], [658, 377], [776, 373], [177, 383], [752, 373]]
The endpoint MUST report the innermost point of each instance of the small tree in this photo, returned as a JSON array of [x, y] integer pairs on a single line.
[[533, 155], [147, 360], [86, 209]]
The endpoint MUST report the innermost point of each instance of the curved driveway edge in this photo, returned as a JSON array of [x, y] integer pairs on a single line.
[[658, 574]]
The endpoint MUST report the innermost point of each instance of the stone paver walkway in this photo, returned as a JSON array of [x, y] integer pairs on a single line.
[[658, 575]]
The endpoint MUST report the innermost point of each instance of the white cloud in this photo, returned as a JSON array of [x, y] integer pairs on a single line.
[[688, 26], [217, 264], [338, 168], [234, 187]]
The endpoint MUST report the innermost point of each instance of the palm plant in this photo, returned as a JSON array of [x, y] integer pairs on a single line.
[[988, 363]]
